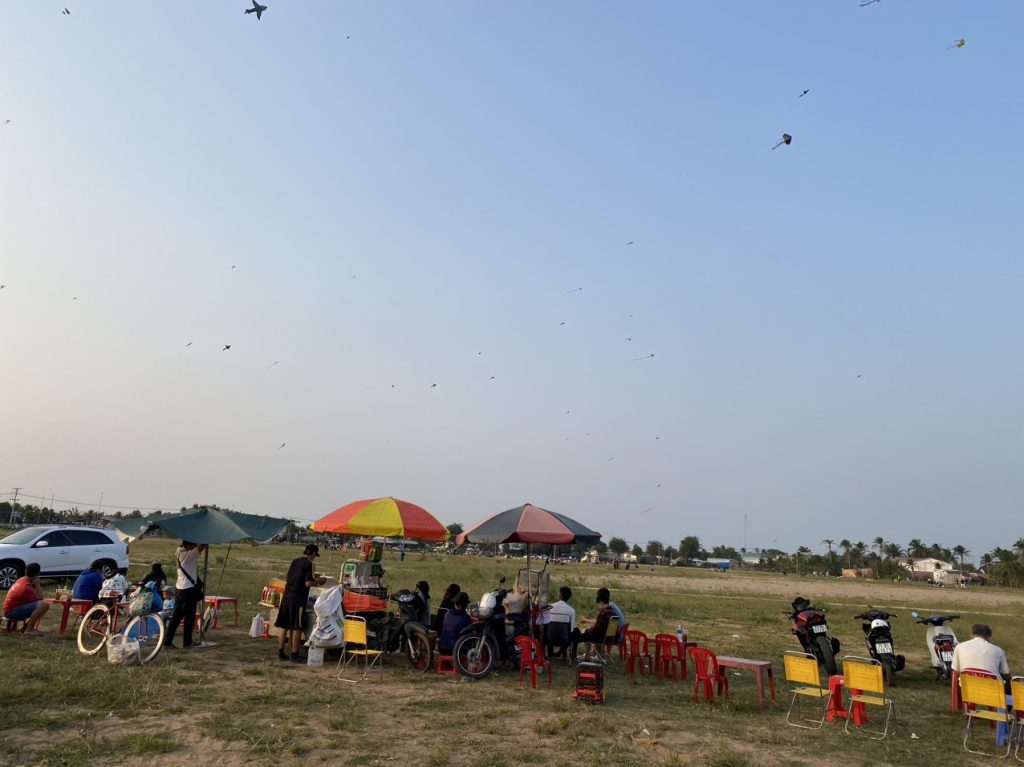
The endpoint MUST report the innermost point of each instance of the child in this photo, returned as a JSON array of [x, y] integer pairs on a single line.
[[115, 586], [170, 598]]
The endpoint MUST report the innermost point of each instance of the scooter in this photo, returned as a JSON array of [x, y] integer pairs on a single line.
[[940, 641], [810, 627], [878, 638], [488, 639]]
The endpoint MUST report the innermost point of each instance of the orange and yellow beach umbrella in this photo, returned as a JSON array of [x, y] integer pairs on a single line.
[[388, 517]]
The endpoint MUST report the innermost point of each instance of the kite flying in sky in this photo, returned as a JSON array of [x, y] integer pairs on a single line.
[[786, 139]]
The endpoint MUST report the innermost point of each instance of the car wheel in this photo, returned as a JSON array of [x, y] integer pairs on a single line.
[[108, 568], [9, 573]]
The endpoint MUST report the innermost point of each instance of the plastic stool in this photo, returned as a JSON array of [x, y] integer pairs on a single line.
[[836, 709]]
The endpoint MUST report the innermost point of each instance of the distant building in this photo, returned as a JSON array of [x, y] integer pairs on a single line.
[[924, 565], [858, 572], [720, 564]]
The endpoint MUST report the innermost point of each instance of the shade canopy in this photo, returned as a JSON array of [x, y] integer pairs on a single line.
[[529, 524], [205, 525], [388, 517]]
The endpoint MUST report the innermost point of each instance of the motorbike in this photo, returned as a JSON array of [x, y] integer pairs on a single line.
[[488, 639], [811, 628], [878, 638], [941, 641], [402, 631]]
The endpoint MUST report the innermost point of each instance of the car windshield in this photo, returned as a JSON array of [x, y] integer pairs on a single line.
[[25, 535]]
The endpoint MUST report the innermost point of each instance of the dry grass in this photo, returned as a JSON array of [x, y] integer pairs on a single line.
[[237, 705]]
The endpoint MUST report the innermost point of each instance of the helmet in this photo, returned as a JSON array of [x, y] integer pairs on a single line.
[[878, 623]]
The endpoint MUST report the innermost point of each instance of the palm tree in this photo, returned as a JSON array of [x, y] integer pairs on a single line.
[[828, 542], [845, 545], [801, 552], [879, 544], [860, 549], [961, 552], [916, 548]]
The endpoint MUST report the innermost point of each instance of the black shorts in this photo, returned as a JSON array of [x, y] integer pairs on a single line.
[[289, 617]]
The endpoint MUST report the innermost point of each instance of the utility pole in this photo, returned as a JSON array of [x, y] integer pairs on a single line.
[[14, 504]]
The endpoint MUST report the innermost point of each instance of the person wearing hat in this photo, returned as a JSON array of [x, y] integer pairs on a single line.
[[296, 593]]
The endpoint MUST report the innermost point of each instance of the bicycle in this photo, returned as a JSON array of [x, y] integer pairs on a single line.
[[99, 624]]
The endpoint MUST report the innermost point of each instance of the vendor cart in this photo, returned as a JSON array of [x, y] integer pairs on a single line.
[[364, 594]]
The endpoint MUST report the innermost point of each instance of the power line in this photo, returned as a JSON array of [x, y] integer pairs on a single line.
[[174, 507]]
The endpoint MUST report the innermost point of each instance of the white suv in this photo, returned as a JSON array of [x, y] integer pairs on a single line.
[[60, 550]]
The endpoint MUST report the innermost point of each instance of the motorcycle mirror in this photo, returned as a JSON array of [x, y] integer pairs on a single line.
[[502, 579], [914, 614]]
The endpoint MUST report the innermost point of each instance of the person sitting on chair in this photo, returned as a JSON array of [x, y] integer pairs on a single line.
[[422, 603], [559, 620], [115, 587], [595, 635], [455, 620], [24, 601], [446, 604], [979, 652], [157, 575], [89, 583]]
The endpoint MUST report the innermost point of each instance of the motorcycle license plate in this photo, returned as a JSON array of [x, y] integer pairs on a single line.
[[819, 628], [947, 656], [883, 648]]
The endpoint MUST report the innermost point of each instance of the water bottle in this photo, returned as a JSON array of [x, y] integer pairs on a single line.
[[680, 634]]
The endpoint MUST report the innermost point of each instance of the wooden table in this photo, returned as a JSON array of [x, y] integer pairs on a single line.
[[761, 669], [67, 605]]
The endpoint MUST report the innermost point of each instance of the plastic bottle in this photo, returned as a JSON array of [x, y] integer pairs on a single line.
[[680, 634]]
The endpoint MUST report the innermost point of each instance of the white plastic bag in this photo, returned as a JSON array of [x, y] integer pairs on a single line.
[[328, 603], [124, 651], [256, 628], [487, 604], [327, 633]]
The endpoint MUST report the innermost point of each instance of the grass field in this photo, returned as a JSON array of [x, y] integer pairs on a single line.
[[236, 704]]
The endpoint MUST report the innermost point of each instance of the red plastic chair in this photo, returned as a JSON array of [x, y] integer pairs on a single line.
[[708, 673], [668, 656], [531, 655], [637, 648]]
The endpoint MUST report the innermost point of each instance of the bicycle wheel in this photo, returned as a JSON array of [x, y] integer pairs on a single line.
[[95, 629], [149, 630]]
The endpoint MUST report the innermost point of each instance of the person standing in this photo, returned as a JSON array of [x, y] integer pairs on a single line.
[[296, 594], [190, 593]]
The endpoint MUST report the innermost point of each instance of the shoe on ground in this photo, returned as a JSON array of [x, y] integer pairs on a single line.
[[281, 655], [296, 658]]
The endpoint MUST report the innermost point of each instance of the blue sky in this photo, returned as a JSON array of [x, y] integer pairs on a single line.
[[409, 191]]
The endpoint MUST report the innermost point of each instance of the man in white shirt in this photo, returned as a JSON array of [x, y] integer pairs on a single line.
[[560, 611], [979, 652], [559, 621]]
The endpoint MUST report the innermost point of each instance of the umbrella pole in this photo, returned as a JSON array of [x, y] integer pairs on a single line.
[[202, 597]]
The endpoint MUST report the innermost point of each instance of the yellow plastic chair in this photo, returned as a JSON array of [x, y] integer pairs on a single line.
[[356, 647], [862, 678], [988, 691], [599, 650], [1017, 687], [802, 670]]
